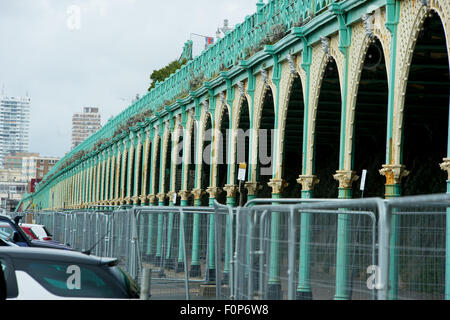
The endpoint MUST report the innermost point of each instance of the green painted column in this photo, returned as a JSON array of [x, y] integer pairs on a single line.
[[342, 250], [393, 191], [231, 201], [150, 219], [180, 264], [304, 291], [195, 259], [169, 252], [274, 290], [159, 237], [211, 268], [274, 286]]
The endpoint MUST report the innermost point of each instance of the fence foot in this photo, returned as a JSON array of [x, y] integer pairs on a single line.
[[148, 257], [180, 267], [225, 279], [211, 276], [196, 271], [303, 295], [170, 264], [274, 291]]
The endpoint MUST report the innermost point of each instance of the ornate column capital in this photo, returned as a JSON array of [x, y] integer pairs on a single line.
[[394, 173], [345, 178], [151, 198], [253, 188], [143, 198], [231, 190], [184, 194], [128, 200], [308, 182], [277, 185], [198, 193], [446, 166], [135, 200], [214, 192], [171, 195], [161, 197]]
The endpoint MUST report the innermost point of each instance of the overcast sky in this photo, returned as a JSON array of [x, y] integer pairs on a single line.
[[103, 61]]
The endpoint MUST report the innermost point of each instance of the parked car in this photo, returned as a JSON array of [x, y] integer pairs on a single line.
[[36, 231], [10, 231], [45, 274], [30, 233]]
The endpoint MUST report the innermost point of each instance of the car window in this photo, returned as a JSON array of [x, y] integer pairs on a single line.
[[6, 230], [71, 280]]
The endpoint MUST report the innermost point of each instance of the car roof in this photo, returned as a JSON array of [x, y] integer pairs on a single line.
[[54, 255], [5, 217]]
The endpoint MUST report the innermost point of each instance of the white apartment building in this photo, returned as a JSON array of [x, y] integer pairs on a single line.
[[84, 125], [14, 125]]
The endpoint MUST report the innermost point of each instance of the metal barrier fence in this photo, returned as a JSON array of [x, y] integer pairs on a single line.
[[310, 250], [275, 248]]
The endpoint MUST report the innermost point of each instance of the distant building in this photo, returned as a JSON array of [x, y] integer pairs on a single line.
[[37, 167], [14, 125], [31, 165], [14, 160], [84, 125], [12, 187]]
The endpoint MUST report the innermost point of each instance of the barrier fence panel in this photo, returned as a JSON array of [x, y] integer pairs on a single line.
[[175, 243], [418, 248], [224, 246], [329, 250]]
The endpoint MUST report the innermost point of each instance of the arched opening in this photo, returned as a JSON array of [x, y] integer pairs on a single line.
[[206, 159], [425, 122], [191, 161], [148, 172], [178, 158], [265, 146], [327, 133], [137, 187], [242, 147], [293, 141], [222, 170], [167, 165], [369, 139], [130, 170], [157, 164], [124, 190]]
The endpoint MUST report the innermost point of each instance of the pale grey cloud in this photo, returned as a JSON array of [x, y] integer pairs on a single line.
[[104, 62]]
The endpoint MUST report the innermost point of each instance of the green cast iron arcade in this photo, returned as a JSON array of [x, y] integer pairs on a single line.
[[344, 85]]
